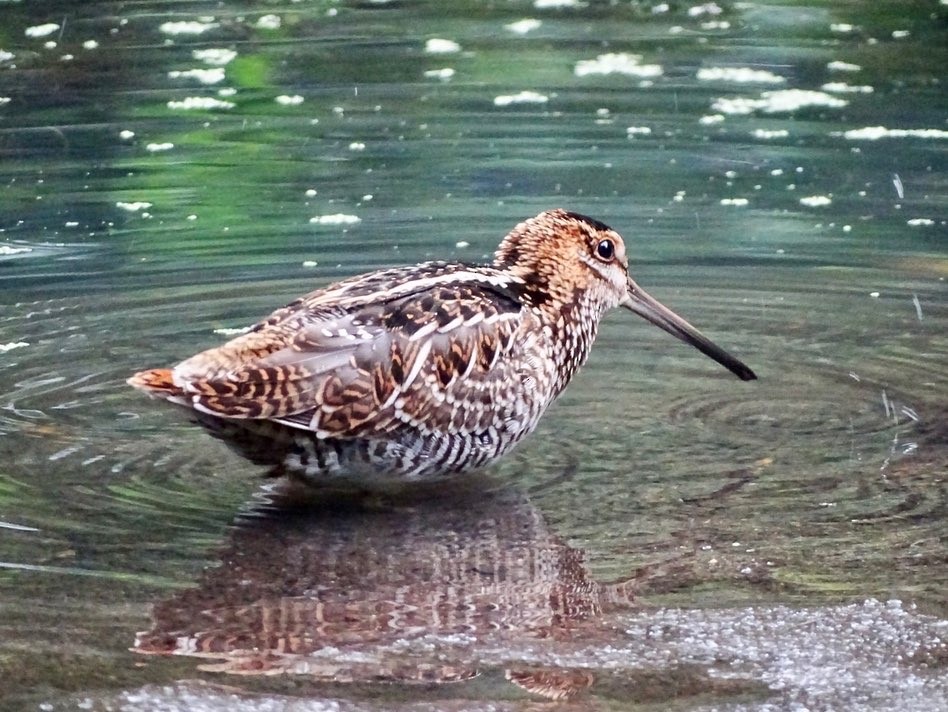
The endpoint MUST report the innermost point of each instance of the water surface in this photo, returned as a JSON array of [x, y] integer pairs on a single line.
[[670, 537]]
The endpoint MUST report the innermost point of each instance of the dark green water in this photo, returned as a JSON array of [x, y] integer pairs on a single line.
[[670, 538]]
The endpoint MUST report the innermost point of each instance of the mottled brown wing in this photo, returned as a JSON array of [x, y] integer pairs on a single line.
[[341, 371]]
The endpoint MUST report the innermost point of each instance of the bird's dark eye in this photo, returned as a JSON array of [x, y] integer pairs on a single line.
[[606, 250]]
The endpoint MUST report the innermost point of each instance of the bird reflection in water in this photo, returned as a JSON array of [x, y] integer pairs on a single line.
[[343, 593]]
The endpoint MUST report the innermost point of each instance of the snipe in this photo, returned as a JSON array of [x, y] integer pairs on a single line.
[[430, 370]]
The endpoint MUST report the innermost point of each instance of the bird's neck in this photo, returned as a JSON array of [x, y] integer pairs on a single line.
[[572, 325]]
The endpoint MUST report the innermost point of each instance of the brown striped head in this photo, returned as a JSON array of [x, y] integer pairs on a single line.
[[567, 257]]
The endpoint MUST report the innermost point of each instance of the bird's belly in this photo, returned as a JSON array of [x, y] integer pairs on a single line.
[[405, 456]]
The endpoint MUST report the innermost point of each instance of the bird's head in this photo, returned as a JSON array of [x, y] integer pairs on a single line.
[[565, 258]]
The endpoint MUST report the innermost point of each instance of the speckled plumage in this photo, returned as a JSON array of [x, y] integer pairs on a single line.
[[429, 370]]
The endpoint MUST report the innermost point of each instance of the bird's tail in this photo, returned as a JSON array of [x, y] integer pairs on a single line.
[[156, 382]]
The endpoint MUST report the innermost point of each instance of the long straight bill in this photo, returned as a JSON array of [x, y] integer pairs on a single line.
[[646, 306]]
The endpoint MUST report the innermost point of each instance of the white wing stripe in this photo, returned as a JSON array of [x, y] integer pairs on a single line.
[[420, 360]]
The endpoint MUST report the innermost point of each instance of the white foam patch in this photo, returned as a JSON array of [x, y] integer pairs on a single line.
[[8, 250], [444, 74], [6, 56], [157, 147], [522, 27], [839, 66], [549, 4], [204, 76], [12, 345], [874, 133], [524, 97], [133, 207], [215, 56], [441, 46], [924, 222], [617, 63], [711, 119], [816, 201], [187, 27], [739, 75], [335, 219], [200, 103], [638, 131], [44, 30], [767, 134], [779, 101], [289, 100], [268, 22], [708, 8], [844, 88], [737, 202]]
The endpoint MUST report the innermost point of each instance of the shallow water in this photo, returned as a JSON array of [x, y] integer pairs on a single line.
[[670, 538]]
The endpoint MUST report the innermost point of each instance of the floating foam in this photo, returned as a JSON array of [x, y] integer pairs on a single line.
[[874, 133], [770, 133], [779, 101], [441, 46], [739, 75], [617, 63], [844, 88], [524, 97], [335, 219], [189, 27], [709, 8], [268, 22], [204, 76], [201, 103], [838, 66], [215, 56], [547, 4], [44, 30], [522, 27], [444, 74]]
